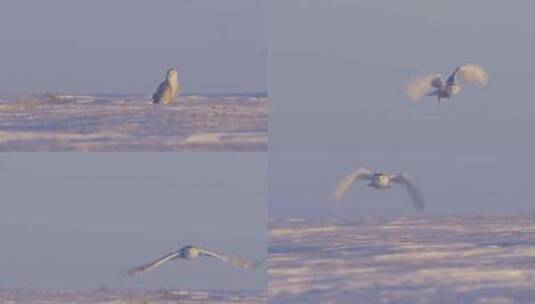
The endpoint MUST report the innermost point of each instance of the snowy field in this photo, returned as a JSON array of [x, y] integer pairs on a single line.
[[132, 123], [119, 297], [403, 260]]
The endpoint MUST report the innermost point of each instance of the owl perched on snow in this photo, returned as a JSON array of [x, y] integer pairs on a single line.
[[169, 89]]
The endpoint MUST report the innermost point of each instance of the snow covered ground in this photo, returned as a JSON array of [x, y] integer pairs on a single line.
[[132, 123], [135, 297], [403, 260]]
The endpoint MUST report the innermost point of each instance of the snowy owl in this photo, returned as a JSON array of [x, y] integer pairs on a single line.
[[422, 86], [169, 89], [379, 181], [191, 252]]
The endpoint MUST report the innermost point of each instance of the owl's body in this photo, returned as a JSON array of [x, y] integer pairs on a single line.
[[168, 90], [192, 252], [445, 89], [380, 181], [189, 252]]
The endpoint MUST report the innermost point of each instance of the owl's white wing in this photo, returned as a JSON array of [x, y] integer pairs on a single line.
[[438, 82], [150, 266], [345, 184], [419, 87], [469, 73], [156, 97], [414, 194], [232, 260]]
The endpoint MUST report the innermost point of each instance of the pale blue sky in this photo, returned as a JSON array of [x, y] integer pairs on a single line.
[[75, 220], [123, 46], [337, 73]]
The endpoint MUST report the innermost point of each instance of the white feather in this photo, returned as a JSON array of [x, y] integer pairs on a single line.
[[345, 184], [419, 87], [232, 260], [471, 73], [414, 194]]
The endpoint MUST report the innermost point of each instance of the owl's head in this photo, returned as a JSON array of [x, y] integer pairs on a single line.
[[172, 74], [382, 180]]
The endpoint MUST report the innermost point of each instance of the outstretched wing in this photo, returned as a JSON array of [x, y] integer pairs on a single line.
[[156, 97], [346, 183], [419, 87], [414, 194], [150, 266], [234, 261], [469, 73]]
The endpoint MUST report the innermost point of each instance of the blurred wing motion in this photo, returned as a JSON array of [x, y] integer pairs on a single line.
[[234, 261], [150, 266], [469, 73], [347, 182], [419, 87], [414, 194]]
